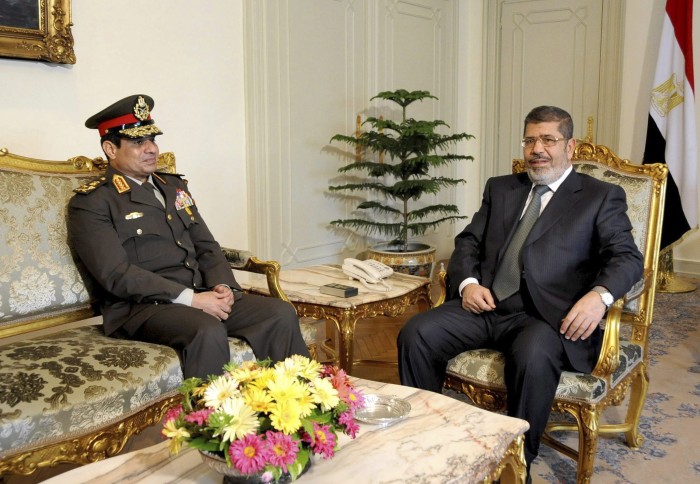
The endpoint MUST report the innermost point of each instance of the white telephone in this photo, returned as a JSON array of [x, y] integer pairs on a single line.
[[369, 272]]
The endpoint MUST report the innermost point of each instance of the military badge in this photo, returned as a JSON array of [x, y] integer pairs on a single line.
[[141, 111], [133, 215], [120, 184], [183, 200]]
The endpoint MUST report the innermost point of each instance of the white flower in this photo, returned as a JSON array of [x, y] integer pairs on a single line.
[[221, 390], [325, 394], [241, 419]]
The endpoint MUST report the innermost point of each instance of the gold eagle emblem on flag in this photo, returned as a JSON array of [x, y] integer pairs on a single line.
[[667, 95]]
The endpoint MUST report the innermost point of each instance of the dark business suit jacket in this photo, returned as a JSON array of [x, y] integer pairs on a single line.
[[582, 239], [138, 252]]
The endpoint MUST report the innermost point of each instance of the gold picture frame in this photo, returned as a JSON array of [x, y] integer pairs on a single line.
[[37, 29]]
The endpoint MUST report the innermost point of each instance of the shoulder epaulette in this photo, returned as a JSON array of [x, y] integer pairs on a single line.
[[161, 174], [90, 186]]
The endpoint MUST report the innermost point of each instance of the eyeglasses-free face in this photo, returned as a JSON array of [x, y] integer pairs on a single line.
[[547, 141]]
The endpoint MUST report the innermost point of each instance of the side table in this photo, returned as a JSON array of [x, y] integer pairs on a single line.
[[302, 287]]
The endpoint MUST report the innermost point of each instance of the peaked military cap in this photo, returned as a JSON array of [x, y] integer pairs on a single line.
[[128, 118]]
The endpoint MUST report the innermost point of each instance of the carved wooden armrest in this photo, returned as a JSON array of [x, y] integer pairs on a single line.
[[640, 289], [609, 357], [241, 260]]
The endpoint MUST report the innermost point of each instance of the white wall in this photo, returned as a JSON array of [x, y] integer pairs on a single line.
[[187, 55], [192, 62]]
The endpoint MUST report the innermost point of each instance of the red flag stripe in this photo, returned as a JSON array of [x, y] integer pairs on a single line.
[[680, 12]]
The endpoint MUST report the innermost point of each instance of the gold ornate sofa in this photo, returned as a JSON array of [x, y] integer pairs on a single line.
[[68, 393], [622, 365]]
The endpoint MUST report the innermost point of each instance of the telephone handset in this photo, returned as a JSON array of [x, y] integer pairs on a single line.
[[369, 272]]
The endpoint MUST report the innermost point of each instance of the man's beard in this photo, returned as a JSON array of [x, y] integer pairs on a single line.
[[544, 175]]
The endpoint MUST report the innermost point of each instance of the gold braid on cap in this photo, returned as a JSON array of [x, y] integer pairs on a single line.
[[141, 131]]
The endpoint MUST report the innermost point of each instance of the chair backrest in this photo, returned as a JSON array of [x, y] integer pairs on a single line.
[[645, 187], [40, 285]]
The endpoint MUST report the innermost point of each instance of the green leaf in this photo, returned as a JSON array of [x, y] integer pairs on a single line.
[[202, 443]]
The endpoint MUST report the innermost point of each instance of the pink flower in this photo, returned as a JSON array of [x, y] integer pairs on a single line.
[[282, 449], [354, 398], [199, 417], [347, 419], [329, 370], [172, 414], [323, 441], [249, 454]]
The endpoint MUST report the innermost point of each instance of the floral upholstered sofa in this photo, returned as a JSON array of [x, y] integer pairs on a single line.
[[68, 393]]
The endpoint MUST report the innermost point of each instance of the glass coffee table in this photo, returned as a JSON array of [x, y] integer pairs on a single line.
[[440, 440], [302, 288]]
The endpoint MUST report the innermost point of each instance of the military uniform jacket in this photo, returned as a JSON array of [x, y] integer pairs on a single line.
[[138, 253]]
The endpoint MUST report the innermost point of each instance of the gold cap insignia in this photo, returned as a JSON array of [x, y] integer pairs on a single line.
[[141, 109], [120, 184]]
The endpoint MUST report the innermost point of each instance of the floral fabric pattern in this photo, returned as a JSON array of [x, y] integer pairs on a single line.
[[485, 367], [79, 380], [37, 273]]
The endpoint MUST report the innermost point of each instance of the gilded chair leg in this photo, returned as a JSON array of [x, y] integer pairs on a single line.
[[588, 420], [638, 394]]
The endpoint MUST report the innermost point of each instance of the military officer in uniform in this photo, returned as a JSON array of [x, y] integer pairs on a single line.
[[157, 272]]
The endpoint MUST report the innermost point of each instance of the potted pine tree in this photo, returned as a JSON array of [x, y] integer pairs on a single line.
[[397, 160]]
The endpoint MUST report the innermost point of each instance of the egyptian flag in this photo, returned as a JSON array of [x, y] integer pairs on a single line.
[[671, 135]]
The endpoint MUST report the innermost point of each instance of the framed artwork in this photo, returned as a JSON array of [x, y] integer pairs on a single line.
[[37, 29]]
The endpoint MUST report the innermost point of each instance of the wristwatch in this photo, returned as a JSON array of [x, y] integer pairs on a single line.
[[605, 296]]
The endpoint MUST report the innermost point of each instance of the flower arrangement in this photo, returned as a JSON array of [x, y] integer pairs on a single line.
[[266, 418]]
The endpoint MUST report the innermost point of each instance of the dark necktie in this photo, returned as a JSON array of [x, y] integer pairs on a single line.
[[507, 279], [153, 191]]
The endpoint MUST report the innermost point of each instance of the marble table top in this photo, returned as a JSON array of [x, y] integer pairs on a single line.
[[302, 285], [441, 441]]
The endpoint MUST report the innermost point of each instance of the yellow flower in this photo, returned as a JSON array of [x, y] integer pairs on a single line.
[[324, 394], [220, 390], [258, 399], [263, 379], [285, 388], [284, 416], [247, 372], [310, 369], [177, 435], [241, 419], [306, 403]]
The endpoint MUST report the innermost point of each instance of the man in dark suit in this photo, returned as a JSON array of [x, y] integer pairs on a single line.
[[157, 272], [537, 294]]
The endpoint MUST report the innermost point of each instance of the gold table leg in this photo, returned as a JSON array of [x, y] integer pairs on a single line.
[[345, 319], [512, 469]]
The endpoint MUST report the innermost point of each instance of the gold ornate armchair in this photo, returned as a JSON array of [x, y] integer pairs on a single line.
[[622, 364]]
